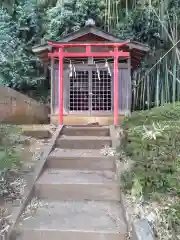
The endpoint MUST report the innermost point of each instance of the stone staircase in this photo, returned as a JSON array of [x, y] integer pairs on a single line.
[[80, 188]]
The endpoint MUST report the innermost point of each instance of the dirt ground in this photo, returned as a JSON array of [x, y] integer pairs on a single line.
[[30, 155]]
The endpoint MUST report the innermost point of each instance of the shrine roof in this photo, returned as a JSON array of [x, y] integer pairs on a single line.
[[89, 34]]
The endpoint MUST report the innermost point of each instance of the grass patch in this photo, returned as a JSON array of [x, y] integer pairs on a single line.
[[159, 114], [153, 143], [11, 142]]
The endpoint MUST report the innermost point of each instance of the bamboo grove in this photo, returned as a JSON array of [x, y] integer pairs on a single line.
[[158, 80]]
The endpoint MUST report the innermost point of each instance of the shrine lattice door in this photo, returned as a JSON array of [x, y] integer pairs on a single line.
[[90, 91]]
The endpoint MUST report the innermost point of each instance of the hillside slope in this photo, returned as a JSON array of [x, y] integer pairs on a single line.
[[153, 144]]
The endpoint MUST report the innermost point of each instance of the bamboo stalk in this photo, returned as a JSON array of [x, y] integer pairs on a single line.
[[174, 64], [160, 83], [148, 93]]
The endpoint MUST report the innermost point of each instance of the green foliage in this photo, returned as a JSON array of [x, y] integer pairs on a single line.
[[169, 112], [155, 151], [140, 25], [72, 16], [15, 63], [25, 23], [29, 22], [156, 160], [173, 215]]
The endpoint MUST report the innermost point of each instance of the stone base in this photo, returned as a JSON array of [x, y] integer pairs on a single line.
[[82, 120]]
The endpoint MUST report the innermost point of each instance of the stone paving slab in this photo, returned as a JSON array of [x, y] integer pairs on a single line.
[[83, 142], [78, 215], [58, 176], [101, 138], [56, 184], [93, 153], [82, 159], [86, 131]]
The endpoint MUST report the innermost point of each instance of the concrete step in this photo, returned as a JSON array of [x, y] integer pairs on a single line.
[[83, 142], [55, 184], [75, 221], [40, 131], [38, 134], [86, 131], [82, 159]]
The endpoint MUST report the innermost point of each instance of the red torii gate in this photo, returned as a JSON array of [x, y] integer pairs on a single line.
[[88, 53]]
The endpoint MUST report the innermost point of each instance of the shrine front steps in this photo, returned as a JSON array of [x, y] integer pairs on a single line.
[[83, 142], [76, 220], [82, 195], [101, 131], [77, 185], [80, 159]]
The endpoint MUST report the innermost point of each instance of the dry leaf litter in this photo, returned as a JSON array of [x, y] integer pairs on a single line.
[[32, 208], [137, 209], [108, 151], [16, 194]]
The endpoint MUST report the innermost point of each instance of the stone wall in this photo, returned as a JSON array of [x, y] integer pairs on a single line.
[[16, 108]]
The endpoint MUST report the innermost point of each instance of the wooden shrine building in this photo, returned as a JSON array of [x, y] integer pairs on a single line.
[[90, 76]]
